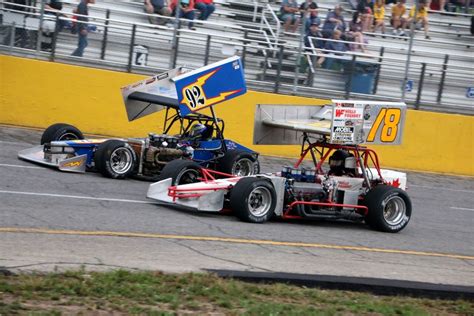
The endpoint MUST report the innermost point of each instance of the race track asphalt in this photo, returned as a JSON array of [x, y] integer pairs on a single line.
[[50, 219]]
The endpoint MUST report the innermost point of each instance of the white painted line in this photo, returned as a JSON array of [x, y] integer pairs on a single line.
[[462, 208], [19, 166], [76, 197], [438, 188], [14, 143]]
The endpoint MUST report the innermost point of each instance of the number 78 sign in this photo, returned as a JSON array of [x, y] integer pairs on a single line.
[[370, 122]]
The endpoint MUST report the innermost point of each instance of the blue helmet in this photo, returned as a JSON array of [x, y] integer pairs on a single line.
[[197, 130]]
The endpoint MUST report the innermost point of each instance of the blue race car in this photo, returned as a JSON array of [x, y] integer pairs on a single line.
[[199, 143]]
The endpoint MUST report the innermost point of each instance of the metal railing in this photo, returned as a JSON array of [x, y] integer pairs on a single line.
[[437, 84]]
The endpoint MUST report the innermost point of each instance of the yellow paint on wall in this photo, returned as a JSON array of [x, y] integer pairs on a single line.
[[38, 94]]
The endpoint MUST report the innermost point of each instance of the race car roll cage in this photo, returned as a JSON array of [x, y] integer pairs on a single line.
[[217, 124], [323, 148]]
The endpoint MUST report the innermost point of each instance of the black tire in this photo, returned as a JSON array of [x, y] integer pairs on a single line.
[[60, 131], [261, 191], [115, 159], [181, 171], [389, 209], [239, 163]]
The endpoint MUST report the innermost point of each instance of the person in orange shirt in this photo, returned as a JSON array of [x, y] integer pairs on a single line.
[[398, 20], [379, 15], [421, 16], [186, 10]]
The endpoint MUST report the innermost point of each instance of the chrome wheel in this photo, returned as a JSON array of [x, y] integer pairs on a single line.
[[394, 210], [243, 167], [259, 201], [121, 160]]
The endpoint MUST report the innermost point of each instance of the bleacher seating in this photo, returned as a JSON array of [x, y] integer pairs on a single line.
[[239, 22]]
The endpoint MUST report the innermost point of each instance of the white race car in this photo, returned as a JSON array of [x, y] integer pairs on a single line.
[[345, 182]]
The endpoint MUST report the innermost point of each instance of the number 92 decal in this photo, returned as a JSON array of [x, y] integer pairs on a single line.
[[195, 97]]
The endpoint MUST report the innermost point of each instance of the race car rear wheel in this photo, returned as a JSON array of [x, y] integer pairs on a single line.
[[60, 131], [115, 159], [181, 171], [253, 200], [389, 208], [239, 163]]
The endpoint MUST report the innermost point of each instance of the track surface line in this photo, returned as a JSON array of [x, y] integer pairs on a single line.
[[20, 166], [228, 240], [76, 197], [461, 208]]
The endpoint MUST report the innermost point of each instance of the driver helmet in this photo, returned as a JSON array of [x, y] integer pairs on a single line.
[[337, 162], [197, 131]]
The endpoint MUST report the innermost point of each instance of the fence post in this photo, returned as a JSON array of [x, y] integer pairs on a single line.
[[12, 36], [349, 78], [176, 46], [106, 33], [265, 66], [280, 61], [377, 75], [208, 49], [132, 44], [443, 77], [420, 86], [310, 79], [244, 49], [54, 40]]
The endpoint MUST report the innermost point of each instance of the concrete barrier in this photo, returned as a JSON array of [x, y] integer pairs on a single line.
[[37, 93]]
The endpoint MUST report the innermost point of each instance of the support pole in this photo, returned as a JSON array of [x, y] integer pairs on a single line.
[[379, 68], [106, 33], [443, 77], [349, 79], [130, 52], [410, 47], [420, 86], [280, 62], [208, 49]]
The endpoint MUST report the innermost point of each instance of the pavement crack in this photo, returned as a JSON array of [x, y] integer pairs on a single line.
[[254, 267]]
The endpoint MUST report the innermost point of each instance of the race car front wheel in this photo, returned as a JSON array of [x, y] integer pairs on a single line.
[[389, 208], [60, 131], [253, 200], [115, 159], [239, 163], [181, 171]]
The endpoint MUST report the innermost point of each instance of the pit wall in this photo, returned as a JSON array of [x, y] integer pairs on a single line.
[[37, 94]]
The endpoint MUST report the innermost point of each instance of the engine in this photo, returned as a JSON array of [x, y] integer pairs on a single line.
[[304, 185], [162, 149]]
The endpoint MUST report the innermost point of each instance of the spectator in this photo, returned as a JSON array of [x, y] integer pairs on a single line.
[[398, 20], [54, 8], [365, 9], [82, 26], [288, 14], [206, 7], [311, 34], [421, 16], [312, 39], [159, 7], [335, 46], [186, 10], [334, 21], [310, 8], [379, 15], [355, 32]]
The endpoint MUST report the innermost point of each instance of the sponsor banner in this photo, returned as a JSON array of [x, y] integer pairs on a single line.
[[371, 122], [210, 85]]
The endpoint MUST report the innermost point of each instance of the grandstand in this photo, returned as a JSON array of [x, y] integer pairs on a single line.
[[441, 69]]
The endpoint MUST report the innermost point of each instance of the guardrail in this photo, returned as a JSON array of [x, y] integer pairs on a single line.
[[268, 61]]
